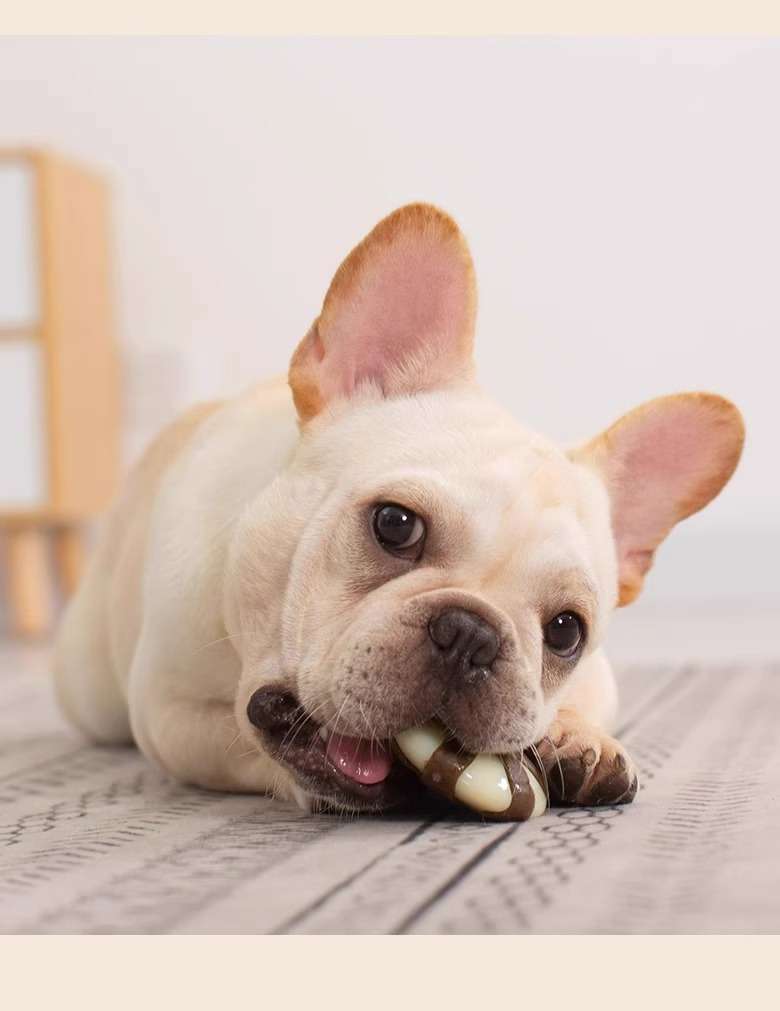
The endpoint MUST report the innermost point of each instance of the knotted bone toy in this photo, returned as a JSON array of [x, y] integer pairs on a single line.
[[500, 787]]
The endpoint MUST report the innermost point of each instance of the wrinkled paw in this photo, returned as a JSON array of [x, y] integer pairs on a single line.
[[586, 767]]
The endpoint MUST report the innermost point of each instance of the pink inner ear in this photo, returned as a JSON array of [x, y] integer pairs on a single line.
[[660, 461], [665, 461], [409, 304]]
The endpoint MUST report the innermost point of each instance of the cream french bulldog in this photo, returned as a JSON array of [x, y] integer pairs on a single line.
[[294, 577]]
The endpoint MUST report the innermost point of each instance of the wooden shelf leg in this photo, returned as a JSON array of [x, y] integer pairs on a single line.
[[28, 581], [69, 557]]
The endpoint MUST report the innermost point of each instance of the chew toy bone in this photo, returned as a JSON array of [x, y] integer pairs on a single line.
[[500, 787]]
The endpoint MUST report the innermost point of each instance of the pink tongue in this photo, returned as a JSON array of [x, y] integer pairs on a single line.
[[359, 759]]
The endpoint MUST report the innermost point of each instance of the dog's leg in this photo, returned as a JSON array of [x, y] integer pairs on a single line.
[[84, 674], [199, 742], [183, 719], [584, 765]]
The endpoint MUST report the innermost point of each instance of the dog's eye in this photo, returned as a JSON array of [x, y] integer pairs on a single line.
[[398, 529], [563, 634]]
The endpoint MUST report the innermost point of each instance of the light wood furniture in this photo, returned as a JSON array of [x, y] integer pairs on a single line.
[[59, 375]]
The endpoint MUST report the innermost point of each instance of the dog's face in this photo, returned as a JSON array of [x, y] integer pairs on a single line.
[[425, 556]]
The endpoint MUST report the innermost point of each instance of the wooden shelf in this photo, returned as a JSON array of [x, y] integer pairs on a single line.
[[59, 368]]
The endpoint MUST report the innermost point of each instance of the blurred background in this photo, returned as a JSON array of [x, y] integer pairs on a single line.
[[620, 197]]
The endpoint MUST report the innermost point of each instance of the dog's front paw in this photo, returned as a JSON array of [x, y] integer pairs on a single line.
[[585, 766]]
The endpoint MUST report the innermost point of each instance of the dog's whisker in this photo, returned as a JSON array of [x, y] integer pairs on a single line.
[[227, 749], [298, 721], [214, 642], [335, 730], [558, 761], [369, 727], [535, 752], [298, 726]]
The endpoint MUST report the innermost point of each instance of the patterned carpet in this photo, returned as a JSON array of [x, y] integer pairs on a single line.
[[94, 840]]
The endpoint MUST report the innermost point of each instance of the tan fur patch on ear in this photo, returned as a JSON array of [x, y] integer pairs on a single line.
[[413, 225], [306, 394], [630, 586]]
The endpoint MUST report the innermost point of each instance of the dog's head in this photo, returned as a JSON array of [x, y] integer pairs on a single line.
[[422, 554]]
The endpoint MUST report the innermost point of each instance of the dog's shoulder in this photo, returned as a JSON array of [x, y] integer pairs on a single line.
[[170, 443]]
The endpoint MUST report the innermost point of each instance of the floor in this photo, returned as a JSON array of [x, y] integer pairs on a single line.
[[94, 840]]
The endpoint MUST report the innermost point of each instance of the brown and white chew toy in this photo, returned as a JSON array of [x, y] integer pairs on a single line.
[[501, 787]]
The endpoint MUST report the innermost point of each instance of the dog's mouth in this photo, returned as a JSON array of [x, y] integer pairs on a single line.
[[338, 770]]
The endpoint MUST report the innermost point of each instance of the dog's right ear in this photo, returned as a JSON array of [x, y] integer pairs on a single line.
[[399, 314]]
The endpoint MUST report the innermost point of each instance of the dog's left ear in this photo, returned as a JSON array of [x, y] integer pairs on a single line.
[[399, 314], [662, 462]]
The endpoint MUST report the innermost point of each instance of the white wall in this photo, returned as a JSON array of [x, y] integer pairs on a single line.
[[620, 196]]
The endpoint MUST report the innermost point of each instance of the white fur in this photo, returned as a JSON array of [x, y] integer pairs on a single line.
[[162, 668]]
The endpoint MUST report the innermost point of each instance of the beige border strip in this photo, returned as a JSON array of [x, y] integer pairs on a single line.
[[403, 17], [386, 973]]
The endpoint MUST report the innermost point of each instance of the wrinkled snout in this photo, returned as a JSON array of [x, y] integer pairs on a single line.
[[444, 654]]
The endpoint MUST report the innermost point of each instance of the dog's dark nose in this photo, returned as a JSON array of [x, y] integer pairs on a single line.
[[468, 644]]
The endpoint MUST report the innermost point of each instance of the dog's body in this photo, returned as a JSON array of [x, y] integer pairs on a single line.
[[251, 613]]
